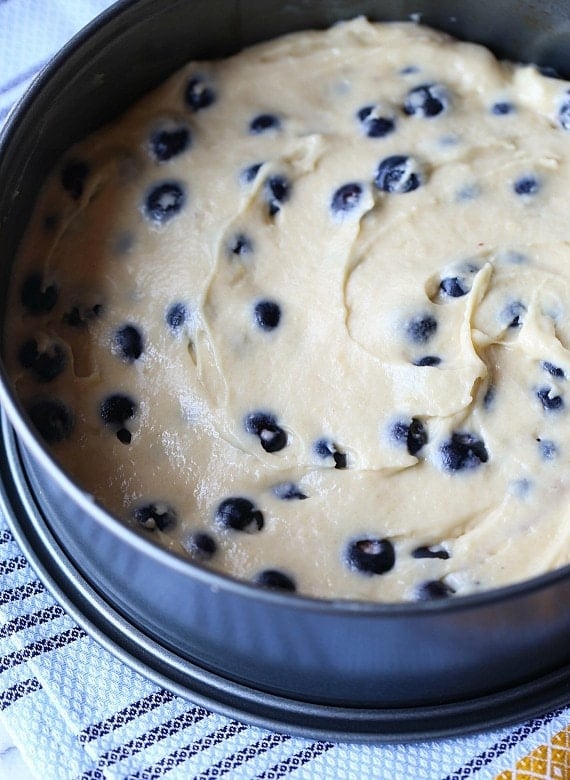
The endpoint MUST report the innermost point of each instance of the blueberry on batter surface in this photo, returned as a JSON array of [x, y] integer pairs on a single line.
[[239, 514], [263, 425], [398, 174], [155, 515], [371, 556], [45, 364], [36, 296], [463, 452], [427, 100], [275, 580], [52, 419], [164, 201]]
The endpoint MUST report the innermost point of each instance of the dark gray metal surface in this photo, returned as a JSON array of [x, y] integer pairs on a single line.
[[322, 653]]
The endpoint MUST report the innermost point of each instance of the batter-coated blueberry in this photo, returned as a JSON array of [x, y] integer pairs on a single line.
[[52, 419], [421, 328], [46, 364], [264, 122], [413, 434], [370, 556], [164, 201], [550, 403], [430, 552], [427, 360], [117, 409], [373, 125], [526, 185], [346, 198], [553, 370], [73, 176], [201, 546], [239, 514], [155, 515], [176, 316], [36, 297], [168, 143], [128, 342], [325, 448], [288, 491], [427, 100], [564, 111], [398, 174], [240, 245], [277, 191], [454, 287], [434, 589], [275, 580], [267, 315], [199, 94], [502, 108], [463, 451], [263, 425]]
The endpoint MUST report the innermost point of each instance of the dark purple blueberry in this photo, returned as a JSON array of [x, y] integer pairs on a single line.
[[428, 360], [117, 409], [275, 580], [52, 419], [454, 287], [502, 108], [267, 314], [240, 514], [551, 403], [463, 451], [124, 436], [553, 370], [548, 449], [165, 144], [248, 174], [176, 316], [512, 315], [413, 434], [36, 297], [288, 491], [346, 198], [398, 174], [153, 516], [264, 122], [79, 317], [564, 111], [240, 245], [375, 126], [421, 328], [271, 436], [128, 342], [164, 201], [199, 94], [427, 100], [430, 552], [526, 185], [201, 546], [325, 448], [434, 589], [73, 177], [371, 556], [277, 190], [45, 365]]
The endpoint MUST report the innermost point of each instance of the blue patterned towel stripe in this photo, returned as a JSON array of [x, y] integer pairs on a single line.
[[78, 713]]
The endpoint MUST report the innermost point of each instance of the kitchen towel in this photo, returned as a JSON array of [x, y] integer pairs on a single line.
[[75, 711]]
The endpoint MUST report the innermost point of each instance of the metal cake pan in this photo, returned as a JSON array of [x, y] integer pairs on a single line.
[[305, 652]]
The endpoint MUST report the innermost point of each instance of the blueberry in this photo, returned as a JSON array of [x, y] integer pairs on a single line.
[[502, 108], [427, 100], [164, 201], [73, 177], [124, 436], [489, 397], [153, 516], [52, 419], [454, 287], [46, 365], [526, 185], [548, 449], [434, 589], [199, 94], [271, 436], [398, 174], [249, 174], [176, 316], [275, 580], [201, 546], [240, 245], [288, 491], [325, 448], [165, 144], [512, 315], [421, 328], [375, 126], [564, 111], [553, 370], [430, 552], [264, 122], [371, 556], [463, 451], [36, 297], [79, 317], [412, 434], [267, 314], [428, 360], [128, 342], [551, 403], [346, 198], [117, 409], [277, 190], [240, 514]]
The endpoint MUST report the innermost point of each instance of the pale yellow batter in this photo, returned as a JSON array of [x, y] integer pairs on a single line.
[[303, 315]]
